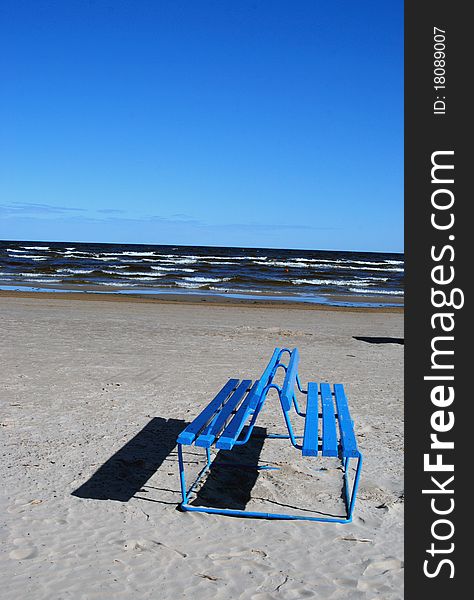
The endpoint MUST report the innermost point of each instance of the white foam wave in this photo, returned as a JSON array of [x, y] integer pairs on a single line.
[[335, 282], [39, 278], [76, 271], [376, 292], [206, 279], [127, 253], [386, 269], [34, 275], [116, 284], [238, 291], [36, 247], [188, 284], [339, 261], [134, 273], [180, 269], [281, 263]]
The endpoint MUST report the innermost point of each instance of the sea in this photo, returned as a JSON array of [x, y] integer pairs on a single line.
[[311, 276]]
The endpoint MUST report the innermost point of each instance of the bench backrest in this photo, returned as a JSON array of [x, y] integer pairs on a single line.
[[265, 379], [288, 388]]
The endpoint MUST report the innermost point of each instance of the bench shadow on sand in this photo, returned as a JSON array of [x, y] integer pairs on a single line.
[[233, 475], [127, 471], [228, 484], [379, 340]]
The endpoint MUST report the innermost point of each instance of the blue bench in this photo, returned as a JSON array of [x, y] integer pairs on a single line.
[[328, 428]]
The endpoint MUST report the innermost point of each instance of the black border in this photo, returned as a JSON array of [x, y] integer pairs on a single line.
[[426, 133]]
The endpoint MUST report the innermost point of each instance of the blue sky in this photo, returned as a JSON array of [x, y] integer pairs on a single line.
[[228, 122]]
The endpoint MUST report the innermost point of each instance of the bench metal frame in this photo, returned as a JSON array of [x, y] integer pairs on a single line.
[[347, 447]]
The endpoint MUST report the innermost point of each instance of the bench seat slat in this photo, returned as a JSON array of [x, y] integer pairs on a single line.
[[329, 434], [310, 440], [231, 433], [209, 433], [188, 435], [346, 428]]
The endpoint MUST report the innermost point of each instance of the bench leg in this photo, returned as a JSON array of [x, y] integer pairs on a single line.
[[182, 478], [351, 497]]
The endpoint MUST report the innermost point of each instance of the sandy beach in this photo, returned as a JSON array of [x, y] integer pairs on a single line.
[[93, 394]]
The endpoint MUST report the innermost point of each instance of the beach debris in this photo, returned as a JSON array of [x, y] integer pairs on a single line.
[[277, 589], [353, 538], [206, 576]]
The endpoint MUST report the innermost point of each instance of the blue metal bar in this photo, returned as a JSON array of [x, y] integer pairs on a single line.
[[284, 350], [256, 413], [263, 515], [181, 474], [297, 408], [268, 374], [355, 487], [350, 502], [277, 366], [290, 429], [300, 387]]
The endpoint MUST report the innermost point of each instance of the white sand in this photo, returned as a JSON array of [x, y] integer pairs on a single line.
[[82, 380]]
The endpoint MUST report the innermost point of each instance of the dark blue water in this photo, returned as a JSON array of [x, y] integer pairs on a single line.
[[302, 275]]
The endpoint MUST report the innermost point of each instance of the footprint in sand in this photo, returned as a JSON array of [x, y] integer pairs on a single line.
[[23, 551], [380, 567], [144, 545], [242, 554]]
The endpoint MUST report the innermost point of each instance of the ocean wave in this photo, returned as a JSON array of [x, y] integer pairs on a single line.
[[30, 257], [76, 271], [117, 284], [281, 263], [221, 262], [180, 269], [206, 279], [43, 279], [169, 261], [37, 247], [376, 292], [148, 275], [335, 282], [34, 275], [386, 269], [146, 278], [339, 261], [239, 290], [188, 284], [210, 257]]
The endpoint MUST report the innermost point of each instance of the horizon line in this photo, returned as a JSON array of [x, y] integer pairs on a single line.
[[204, 246]]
